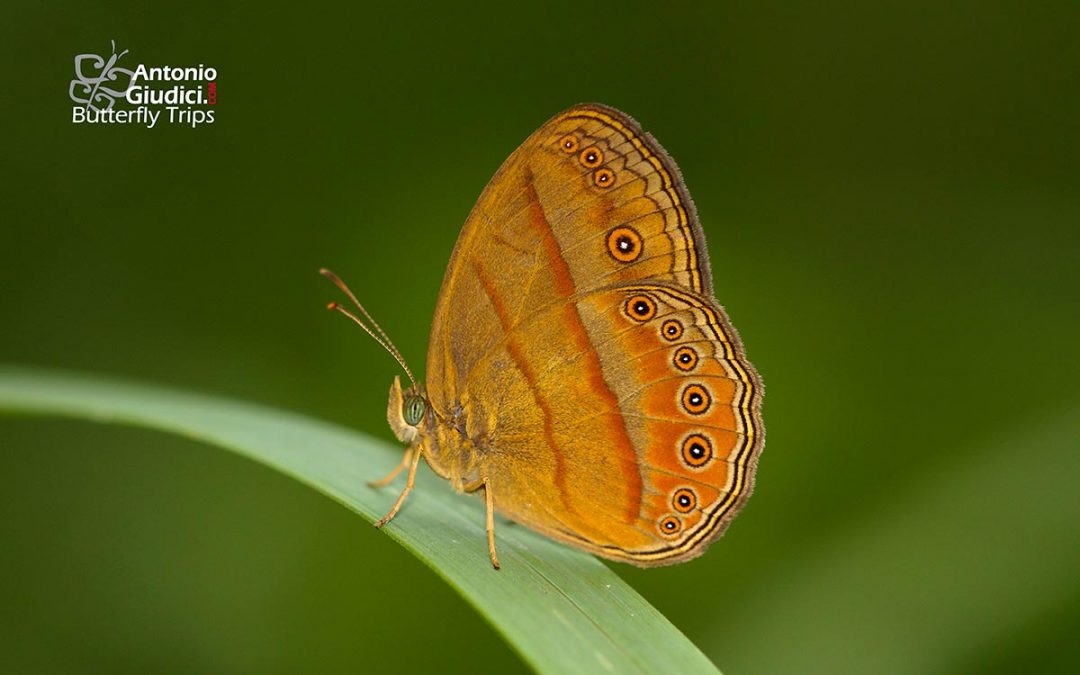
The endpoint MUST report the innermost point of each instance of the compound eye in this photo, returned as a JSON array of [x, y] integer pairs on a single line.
[[413, 410]]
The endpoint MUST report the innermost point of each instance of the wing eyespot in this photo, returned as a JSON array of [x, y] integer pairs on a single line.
[[696, 450], [603, 178], [684, 500], [670, 526], [624, 244], [640, 308], [569, 144], [591, 157], [672, 330], [695, 399], [685, 359]]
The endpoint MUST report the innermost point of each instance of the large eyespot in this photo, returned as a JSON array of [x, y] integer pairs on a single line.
[[624, 244], [696, 450], [641, 308], [603, 178], [670, 525], [569, 144], [591, 157], [685, 359], [695, 399], [413, 409], [671, 330], [684, 500]]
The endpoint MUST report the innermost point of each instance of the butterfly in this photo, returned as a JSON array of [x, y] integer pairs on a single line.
[[580, 374]]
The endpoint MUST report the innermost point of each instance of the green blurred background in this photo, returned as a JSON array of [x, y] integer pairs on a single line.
[[890, 193]]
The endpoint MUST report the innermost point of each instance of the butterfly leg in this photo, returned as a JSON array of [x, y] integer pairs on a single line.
[[489, 499], [383, 482], [417, 454]]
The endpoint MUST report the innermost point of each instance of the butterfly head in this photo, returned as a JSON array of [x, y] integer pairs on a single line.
[[406, 411]]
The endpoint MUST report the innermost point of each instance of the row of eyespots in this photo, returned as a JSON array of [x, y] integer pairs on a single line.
[[695, 398], [641, 308], [683, 500], [684, 358], [590, 158]]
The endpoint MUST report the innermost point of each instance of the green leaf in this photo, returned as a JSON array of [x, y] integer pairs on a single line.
[[561, 609]]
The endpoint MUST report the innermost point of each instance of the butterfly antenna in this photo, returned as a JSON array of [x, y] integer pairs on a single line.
[[374, 330], [341, 284]]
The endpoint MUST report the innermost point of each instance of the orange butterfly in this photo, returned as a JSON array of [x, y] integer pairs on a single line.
[[580, 372]]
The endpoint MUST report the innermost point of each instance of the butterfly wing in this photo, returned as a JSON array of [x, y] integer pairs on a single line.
[[571, 412]]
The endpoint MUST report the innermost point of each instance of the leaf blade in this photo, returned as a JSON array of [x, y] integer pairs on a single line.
[[562, 610]]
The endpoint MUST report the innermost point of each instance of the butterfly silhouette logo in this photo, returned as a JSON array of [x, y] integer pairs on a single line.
[[99, 82]]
